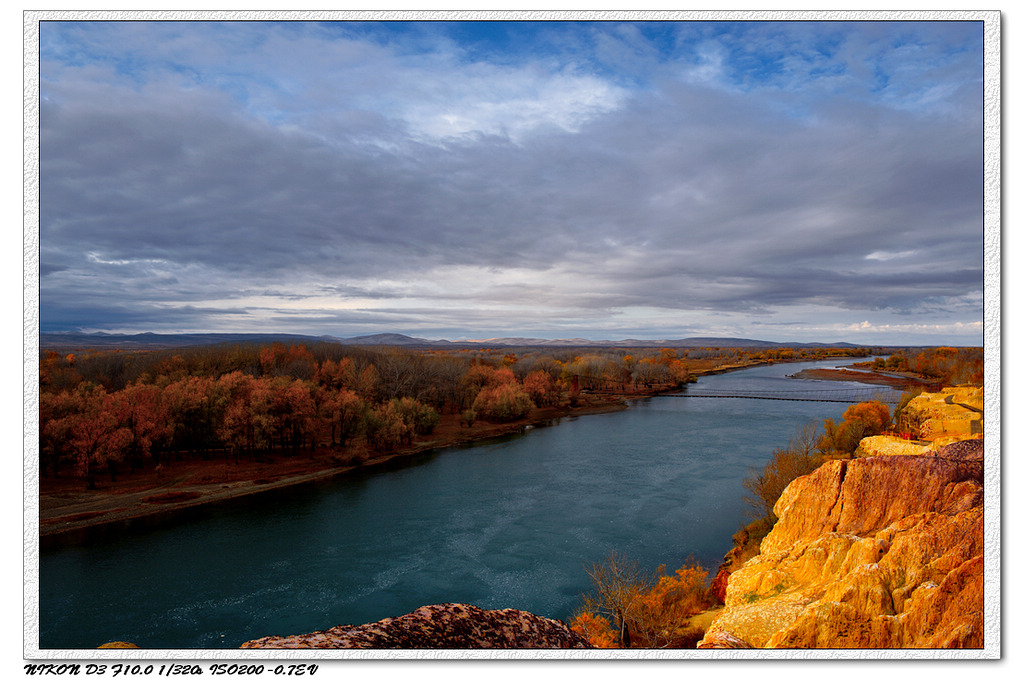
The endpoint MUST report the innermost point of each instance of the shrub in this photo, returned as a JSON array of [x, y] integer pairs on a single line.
[[865, 419], [873, 414], [798, 459]]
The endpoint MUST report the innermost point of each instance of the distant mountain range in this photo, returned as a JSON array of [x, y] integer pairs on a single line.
[[71, 340]]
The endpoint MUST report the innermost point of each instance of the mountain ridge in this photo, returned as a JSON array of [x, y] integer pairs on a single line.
[[151, 340]]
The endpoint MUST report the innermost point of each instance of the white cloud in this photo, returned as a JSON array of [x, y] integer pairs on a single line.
[[884, 256]]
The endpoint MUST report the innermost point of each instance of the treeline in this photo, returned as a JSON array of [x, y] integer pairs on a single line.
[[946, 365], [115, 412]]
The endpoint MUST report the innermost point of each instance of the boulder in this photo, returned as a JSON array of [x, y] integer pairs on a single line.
[[888, 445], [439, 626]]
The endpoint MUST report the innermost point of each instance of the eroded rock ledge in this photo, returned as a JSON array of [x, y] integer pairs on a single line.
[[439, 626], [877, 552]]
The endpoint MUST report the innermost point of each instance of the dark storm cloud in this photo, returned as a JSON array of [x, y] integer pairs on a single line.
[[366, 176]]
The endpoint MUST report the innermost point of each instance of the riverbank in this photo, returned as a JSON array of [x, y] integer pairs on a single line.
[[66, 508]]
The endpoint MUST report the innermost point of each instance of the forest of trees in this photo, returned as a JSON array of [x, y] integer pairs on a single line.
[[114, 412]]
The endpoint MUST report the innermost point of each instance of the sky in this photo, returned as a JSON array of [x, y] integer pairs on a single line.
[[787, 181]]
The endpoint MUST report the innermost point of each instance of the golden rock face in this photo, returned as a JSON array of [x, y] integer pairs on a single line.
[[877, 552], [954, 414]]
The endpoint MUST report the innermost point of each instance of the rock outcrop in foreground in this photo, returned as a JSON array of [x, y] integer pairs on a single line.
[[876, 552], [439, 626]]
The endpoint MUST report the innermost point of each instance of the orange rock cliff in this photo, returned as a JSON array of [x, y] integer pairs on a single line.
[[881, 551]]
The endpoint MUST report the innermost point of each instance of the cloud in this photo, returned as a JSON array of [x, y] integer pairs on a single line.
[[332, 170]]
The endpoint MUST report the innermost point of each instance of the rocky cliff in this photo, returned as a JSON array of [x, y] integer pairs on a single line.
[[441, 626], [881, 551]]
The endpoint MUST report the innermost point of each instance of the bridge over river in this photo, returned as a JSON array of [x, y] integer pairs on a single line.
[[847, 395]]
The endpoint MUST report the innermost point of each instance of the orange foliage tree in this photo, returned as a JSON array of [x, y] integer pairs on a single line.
[[342, 412], [508, 401], [97, 437], [144, 414], [194, 406], [293, 412], [57, 412], [247, 425], [865, 419], [630, 608], [542, 388]]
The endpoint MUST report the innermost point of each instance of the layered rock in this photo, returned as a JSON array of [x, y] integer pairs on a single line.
[[940, 418], [953, 414], [888, 445], [876, 552], [440, 626]]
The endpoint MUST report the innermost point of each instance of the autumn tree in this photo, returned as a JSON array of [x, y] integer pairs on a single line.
[[865, 419], [96, 436], [195, 406], [632, 608], [367, 383], [480, 376], [649, 372], [503, 402], [399, 373], [542, 388], [336, 375], [57, 372], [343, 411], [294, 361], [385, 428], [246, 425], [57, 413], [445, 380], [292, 411], [419, 418], [143, 413]]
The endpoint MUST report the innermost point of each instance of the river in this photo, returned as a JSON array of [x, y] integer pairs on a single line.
[[506, 523]]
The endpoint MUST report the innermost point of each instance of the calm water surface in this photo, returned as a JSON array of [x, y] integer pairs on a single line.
[[511, 523]]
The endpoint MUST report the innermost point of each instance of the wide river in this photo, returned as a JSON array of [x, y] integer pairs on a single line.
[[510, 523]]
